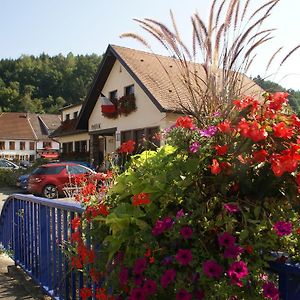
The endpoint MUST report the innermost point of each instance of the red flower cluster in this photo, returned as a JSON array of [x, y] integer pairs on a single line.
[[141, 198], [94, 211], [185, 122], [127, 147]]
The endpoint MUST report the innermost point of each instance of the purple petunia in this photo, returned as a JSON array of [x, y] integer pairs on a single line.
[[283, 228], [180, 214], [168, 222], [226, 239], [167, 277], [233, 251], [186, 232], [123, 276], [209, 132], [212, 269], [140, 265], [138, 294], [199, 295], [270, 291], [150, 287], [183, 295], [194, 147], [159, 228], [231, 207], [184, 256]]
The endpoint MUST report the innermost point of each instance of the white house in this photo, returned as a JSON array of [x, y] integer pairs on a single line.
[[25, 136], [149, 80]]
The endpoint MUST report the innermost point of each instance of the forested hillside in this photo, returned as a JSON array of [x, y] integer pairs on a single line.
[[45, 83]]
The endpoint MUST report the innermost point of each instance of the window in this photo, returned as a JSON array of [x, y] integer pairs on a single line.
[[22, 145], [12, 146], [77, 170], [77, 147], [48, 170], [145, 138], [46, 145], [83, 146], [75, 114], [69, 147], [31, 146], [67, 117], [113, 95], [2, 145], [129, 90]]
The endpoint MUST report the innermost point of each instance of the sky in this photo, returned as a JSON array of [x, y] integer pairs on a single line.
[[33, 27]]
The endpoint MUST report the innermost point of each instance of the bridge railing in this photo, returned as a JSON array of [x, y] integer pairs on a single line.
[[34, 230]]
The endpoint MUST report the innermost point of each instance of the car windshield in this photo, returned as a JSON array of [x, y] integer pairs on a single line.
[[48, 170], [77, 169]]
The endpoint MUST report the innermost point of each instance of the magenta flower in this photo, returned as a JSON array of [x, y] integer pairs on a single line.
[[237, 270], [226, 239], [180, 214], [270, 291], [194, 147], [168, 223], [123, 276], [212, 269], [233, 251], [159, 228], [199, 295], [183, 295], [231, 208], [167, 277], [140, 265], [283, 228], [186, 232], [138, 279], [184, 256], [209, 132], [138, 294], [150, 287]]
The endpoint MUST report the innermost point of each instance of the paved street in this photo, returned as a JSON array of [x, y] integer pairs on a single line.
[[5, 192]]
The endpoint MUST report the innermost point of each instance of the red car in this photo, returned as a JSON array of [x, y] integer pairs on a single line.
[[49, 180]]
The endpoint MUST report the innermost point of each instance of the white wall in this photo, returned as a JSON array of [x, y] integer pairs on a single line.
[[71, 111], [17, 152], [146, 115]]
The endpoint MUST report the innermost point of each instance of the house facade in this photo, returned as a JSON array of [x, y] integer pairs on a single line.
[[25, 136], [146, 83], [74, 144]]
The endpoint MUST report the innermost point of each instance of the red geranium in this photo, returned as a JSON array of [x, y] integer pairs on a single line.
[[127, 147], [185, 122]]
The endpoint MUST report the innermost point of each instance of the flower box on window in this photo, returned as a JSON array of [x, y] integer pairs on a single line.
[[126, 104], [109, 108]]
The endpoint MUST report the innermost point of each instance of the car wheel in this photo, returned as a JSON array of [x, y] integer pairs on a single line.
[[50, 191]]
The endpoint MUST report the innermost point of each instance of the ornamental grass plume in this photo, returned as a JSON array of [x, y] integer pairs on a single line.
[[210, 74]]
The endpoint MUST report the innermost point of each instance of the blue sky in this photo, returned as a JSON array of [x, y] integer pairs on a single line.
[[84, 27]]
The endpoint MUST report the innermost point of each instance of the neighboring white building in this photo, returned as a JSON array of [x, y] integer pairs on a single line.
[[74, 144], [152, 81], [25, 136]]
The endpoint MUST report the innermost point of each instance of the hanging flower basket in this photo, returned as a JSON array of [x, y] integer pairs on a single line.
[[126, 104]]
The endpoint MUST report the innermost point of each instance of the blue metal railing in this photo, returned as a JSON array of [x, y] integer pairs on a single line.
[[35, 231]]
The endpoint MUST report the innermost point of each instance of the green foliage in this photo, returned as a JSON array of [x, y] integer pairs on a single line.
[[45, 84], [8, 178]]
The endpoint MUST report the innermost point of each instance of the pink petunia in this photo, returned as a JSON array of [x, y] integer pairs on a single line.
[[184, 256], [150, 287], [231, 208], [233, 251], [183, 295], [237, 270], [270, 291], [226, 239], [283, 228], [212, 269], [186, 232], [167, 277]]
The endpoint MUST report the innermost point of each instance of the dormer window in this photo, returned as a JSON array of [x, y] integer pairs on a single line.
[[113, 95], [129, 90]]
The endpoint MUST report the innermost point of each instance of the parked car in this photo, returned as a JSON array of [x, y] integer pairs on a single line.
[[22, 181], [8, 165], [51, 179]]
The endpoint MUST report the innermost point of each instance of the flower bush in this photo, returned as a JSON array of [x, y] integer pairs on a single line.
[[201, 217]]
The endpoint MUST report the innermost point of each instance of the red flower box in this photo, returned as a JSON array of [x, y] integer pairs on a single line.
[[108, 109]]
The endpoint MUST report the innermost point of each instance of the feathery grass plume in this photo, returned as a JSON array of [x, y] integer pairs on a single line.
[[289, 54], [272, 58], [223, 49]]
